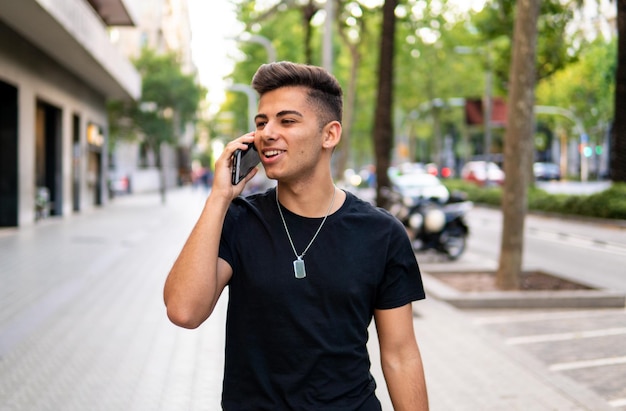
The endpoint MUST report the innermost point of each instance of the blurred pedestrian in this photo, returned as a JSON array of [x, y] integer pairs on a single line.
[[307, 266]]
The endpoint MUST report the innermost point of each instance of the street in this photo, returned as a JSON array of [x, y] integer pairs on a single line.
[[83, 326], [571, 248], [588, 346]]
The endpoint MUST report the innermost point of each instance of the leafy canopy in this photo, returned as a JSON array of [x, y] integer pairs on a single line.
[[169, 99]]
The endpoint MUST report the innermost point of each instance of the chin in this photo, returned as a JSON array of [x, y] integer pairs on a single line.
[[271, 175]]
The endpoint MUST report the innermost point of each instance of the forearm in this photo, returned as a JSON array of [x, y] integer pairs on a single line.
[[192, 286], [406, 382]]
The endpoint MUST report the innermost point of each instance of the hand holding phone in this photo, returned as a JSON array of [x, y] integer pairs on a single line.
[[243, 162]]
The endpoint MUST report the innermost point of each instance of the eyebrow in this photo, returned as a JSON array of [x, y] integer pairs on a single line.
[[279, 114]]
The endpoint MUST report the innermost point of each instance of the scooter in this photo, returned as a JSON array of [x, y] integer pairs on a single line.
[[432, 225]]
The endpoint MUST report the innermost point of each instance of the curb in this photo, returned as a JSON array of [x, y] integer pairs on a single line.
[[523, 299]]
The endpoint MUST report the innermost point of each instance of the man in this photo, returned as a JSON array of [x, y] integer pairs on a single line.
[[307, 266]]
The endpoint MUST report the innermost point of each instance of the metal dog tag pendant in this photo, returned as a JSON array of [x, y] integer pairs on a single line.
[[298, 268]]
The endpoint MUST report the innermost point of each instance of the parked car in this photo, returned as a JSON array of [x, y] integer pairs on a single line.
[[418, 185], [476, 171], [544, 171]]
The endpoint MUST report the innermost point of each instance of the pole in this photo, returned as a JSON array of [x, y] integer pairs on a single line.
[[327, 57], [252, 102], [488, 113], [487, 101], [580, 130], [263, 41]]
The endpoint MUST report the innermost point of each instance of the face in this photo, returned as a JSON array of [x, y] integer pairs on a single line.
[[288, 136]]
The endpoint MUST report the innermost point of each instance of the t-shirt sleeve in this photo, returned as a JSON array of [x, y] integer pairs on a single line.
[[402, 280], [227, 240]]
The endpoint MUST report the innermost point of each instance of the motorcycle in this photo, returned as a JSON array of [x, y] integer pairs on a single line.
[[432, 225]]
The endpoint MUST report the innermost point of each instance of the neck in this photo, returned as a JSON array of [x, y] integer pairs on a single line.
[[310, 200]]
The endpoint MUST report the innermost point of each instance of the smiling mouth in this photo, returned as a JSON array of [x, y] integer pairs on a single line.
[[272, 153]]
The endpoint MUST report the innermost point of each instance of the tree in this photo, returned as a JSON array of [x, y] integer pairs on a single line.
[[169, 100], [426, 35], [353, 31], [518, 147], [555, 48], [587, 89], [383, 126], [618, 134]]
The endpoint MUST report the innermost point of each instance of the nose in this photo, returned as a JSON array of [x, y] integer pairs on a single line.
[[268, 132]]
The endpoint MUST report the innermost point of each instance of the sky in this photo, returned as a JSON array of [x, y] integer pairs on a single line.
[[213, 25]]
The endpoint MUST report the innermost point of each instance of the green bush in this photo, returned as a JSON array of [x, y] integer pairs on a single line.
[[610, 203]]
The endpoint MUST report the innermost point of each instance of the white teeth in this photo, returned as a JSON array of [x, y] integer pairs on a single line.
[[272, 153]]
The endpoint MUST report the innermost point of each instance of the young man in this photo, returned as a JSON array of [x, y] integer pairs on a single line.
[[307, 266]]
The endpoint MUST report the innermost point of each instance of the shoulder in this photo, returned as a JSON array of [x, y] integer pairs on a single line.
[[361, 209], [257, 203]]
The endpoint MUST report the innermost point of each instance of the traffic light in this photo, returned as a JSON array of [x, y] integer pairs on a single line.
[[587, 151], [599, 150]]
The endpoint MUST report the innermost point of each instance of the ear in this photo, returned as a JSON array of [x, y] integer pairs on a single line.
[[332, 134]]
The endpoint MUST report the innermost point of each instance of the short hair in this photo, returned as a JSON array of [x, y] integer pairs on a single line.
[[324, 90]]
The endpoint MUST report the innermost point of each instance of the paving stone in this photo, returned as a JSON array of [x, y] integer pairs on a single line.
[[83, 326]]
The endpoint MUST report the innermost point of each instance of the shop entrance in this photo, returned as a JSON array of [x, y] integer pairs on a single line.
[[48, 159], [76, 161], [8, 155]]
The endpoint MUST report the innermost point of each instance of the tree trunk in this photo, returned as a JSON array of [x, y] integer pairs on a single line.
[[308, 11], [518, 144], [618, 133], [383, 124], [348, 117], [348, 111]]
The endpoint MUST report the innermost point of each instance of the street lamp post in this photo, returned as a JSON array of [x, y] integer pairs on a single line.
[[327, 52], [580, 130], [252, 102], [487, 101], [488, 112], [244, 88], [263, 41]]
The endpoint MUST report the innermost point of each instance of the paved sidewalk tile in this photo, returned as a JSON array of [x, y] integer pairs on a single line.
[[83, 326], [468, 368]]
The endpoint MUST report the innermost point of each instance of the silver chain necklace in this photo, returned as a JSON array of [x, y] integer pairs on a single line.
[[298, 264]]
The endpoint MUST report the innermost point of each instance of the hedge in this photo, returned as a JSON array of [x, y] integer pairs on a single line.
[[610, 203]]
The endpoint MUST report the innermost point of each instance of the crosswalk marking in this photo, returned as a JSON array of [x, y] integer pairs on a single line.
[[599, 362], [531, 339]]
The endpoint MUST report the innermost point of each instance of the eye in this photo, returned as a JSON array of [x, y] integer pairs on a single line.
[[288, 121], [260, 124]]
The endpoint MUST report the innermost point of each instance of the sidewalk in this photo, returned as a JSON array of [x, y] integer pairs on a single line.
[[83, 326]]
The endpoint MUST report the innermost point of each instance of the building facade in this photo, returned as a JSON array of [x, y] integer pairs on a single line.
[[58, 68], [162, 26]]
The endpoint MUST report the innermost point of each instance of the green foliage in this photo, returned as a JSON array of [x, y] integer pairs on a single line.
[[610, 203], [121, 126], [483, 195], [169, 99], [494, 25], [586, 87], [283, 26], [428, 66]]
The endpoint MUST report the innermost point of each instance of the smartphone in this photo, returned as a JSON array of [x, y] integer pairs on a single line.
[[243, 162]]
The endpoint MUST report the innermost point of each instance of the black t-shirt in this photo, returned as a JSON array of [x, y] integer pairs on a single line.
[[300, 344]]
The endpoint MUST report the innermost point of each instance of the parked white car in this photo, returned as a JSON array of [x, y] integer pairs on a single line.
[[420, 185], [476, 171]]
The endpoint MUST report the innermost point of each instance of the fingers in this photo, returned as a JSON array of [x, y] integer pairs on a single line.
[[239, 144], [225, 158], [223, 167]]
